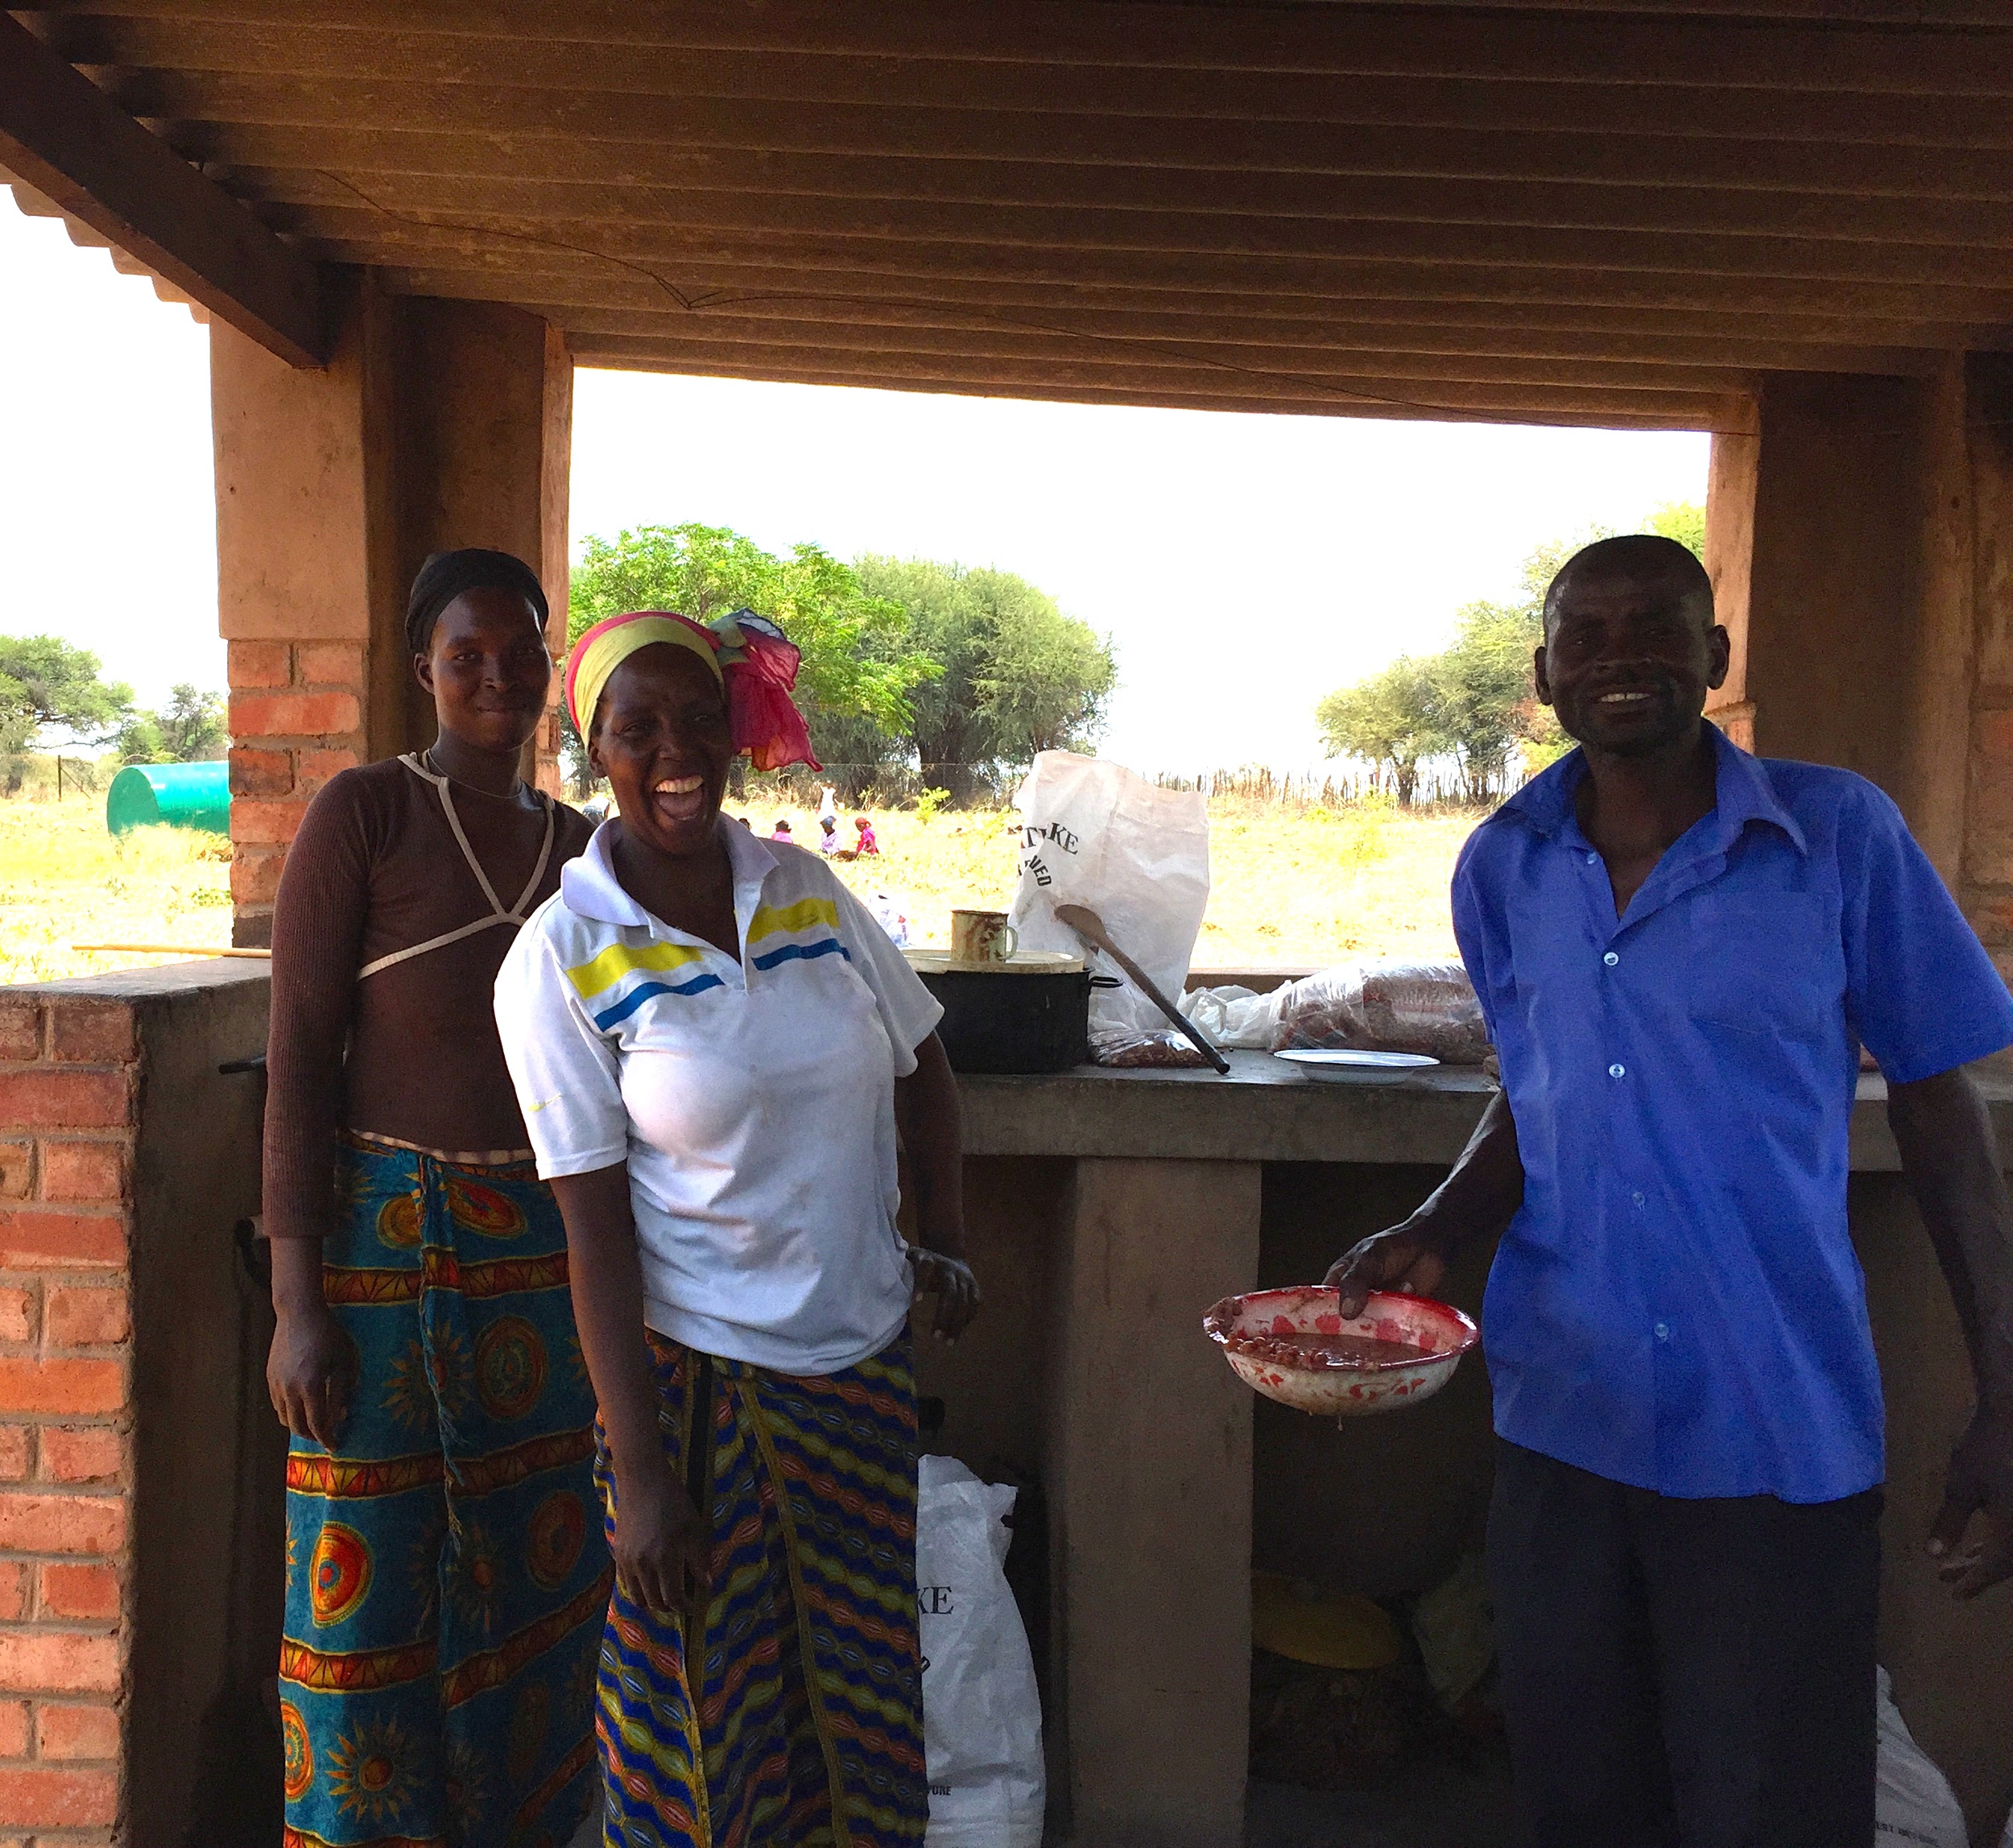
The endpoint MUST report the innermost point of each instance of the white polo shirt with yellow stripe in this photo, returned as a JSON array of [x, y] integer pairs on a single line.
[[753, 1098]]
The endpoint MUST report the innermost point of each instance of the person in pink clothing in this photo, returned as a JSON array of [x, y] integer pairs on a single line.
[[865, 843]]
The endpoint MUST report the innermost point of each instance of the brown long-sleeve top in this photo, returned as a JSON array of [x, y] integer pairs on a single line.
[[412, 1052]]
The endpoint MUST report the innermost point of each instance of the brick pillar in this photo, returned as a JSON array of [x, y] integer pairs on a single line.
[[67, 1095], [141, 1530], [436, 424]]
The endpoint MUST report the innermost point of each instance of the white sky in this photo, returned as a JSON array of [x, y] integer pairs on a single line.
[[1244, 565]]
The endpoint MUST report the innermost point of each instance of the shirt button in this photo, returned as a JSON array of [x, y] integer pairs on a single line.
[[1617, 1071], [1592, 857], [1637, 1198], [1610, 959], [1663, 1331]]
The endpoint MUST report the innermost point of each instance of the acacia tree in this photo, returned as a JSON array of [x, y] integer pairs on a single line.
[[46, 681], [1476, 700], [1391, 719], [188, 730], [1018, 675]]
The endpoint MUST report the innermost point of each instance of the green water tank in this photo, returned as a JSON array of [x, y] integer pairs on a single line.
[[178, 795]]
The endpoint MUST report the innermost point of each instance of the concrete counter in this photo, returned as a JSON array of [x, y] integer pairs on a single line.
[[1265, 1110]]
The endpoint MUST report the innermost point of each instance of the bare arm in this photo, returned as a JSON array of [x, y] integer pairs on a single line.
[[318, 925], [661, 1543], [1478, 1198], [931, 1121], [1950, 1161]]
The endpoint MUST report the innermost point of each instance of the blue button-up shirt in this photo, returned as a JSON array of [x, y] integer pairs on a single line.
[[1676, 1304]]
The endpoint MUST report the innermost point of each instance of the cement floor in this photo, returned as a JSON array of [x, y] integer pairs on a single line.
[[1441, 1806]]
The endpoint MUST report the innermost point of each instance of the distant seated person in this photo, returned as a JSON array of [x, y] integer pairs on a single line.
[[781, 831], [866, 844], [828, 833]]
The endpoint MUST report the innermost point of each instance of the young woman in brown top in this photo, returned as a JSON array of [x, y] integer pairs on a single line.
[[446, 1582]]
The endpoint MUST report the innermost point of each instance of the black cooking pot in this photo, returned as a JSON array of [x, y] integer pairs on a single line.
[[1020, 1022]]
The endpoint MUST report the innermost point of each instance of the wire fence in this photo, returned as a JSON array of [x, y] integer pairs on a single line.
[[1434, 785]]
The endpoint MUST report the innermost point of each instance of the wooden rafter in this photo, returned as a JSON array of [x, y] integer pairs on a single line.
[[1575, 210], [63, 136]]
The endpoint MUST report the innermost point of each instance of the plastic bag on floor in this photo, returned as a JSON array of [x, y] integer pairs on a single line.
[[1096, 834], [1396, 1007], [1913, 1806], [1455, 1627], [982, 1715]]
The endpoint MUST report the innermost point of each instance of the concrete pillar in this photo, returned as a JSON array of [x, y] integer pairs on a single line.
[[436, 424], [1855, 547], [1821, 514], [1151, 1505]]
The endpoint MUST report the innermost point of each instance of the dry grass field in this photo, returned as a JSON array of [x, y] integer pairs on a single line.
[[63, 881], [1313, 887]]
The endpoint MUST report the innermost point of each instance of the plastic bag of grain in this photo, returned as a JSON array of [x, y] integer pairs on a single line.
[[1913, 1806], [1396, 1006], [981, 1715]]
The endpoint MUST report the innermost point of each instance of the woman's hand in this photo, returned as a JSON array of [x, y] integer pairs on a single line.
[[663, 1552], [950, 1280], [311, 1372]]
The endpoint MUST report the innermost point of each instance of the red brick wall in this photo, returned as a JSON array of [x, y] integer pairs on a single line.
[[68, 1071], [296, 718]]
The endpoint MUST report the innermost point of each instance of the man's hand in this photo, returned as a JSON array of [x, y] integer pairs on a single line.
[[950, 1280], [1979, 1489], [1950, 1159], [1400, 1259], [1477, 1199]]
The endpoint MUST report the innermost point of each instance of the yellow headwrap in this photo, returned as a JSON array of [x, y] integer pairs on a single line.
[[753, 661]]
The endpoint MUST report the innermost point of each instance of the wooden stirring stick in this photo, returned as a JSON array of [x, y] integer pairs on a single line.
[[1088, 926]]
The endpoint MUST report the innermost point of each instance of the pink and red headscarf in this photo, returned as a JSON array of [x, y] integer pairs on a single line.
[[751, 658]]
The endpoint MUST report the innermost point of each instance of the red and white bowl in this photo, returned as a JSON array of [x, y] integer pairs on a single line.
[[1241, 1324]]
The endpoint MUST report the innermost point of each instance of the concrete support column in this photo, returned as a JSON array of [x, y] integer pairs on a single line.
[[436, 424], [1150, 1504], [1862, 552]]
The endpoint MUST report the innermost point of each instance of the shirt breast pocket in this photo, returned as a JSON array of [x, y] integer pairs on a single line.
[[1770, 964]]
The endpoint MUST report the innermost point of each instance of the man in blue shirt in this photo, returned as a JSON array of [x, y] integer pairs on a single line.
[[1680, 949]]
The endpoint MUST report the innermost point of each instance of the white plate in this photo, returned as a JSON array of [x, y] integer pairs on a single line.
[[1347, 1066]]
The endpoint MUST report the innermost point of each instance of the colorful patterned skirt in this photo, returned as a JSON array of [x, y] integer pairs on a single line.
[[446, 1586], [806, 1731]]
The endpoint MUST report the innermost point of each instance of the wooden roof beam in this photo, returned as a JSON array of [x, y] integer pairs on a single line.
[[693, 269], [1076, 245], [1127, 36], [1455, 401], [1277, 344], [710, 138], [741, 186], [901, 107], [63, 137], [1169, 310]]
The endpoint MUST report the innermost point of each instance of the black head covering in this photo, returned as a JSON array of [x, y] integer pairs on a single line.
[[448, 575]]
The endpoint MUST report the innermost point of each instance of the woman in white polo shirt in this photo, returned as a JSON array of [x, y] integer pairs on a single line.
[[713, 1043]]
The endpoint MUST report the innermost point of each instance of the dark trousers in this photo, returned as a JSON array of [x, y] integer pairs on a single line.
[[1684, 1674]]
